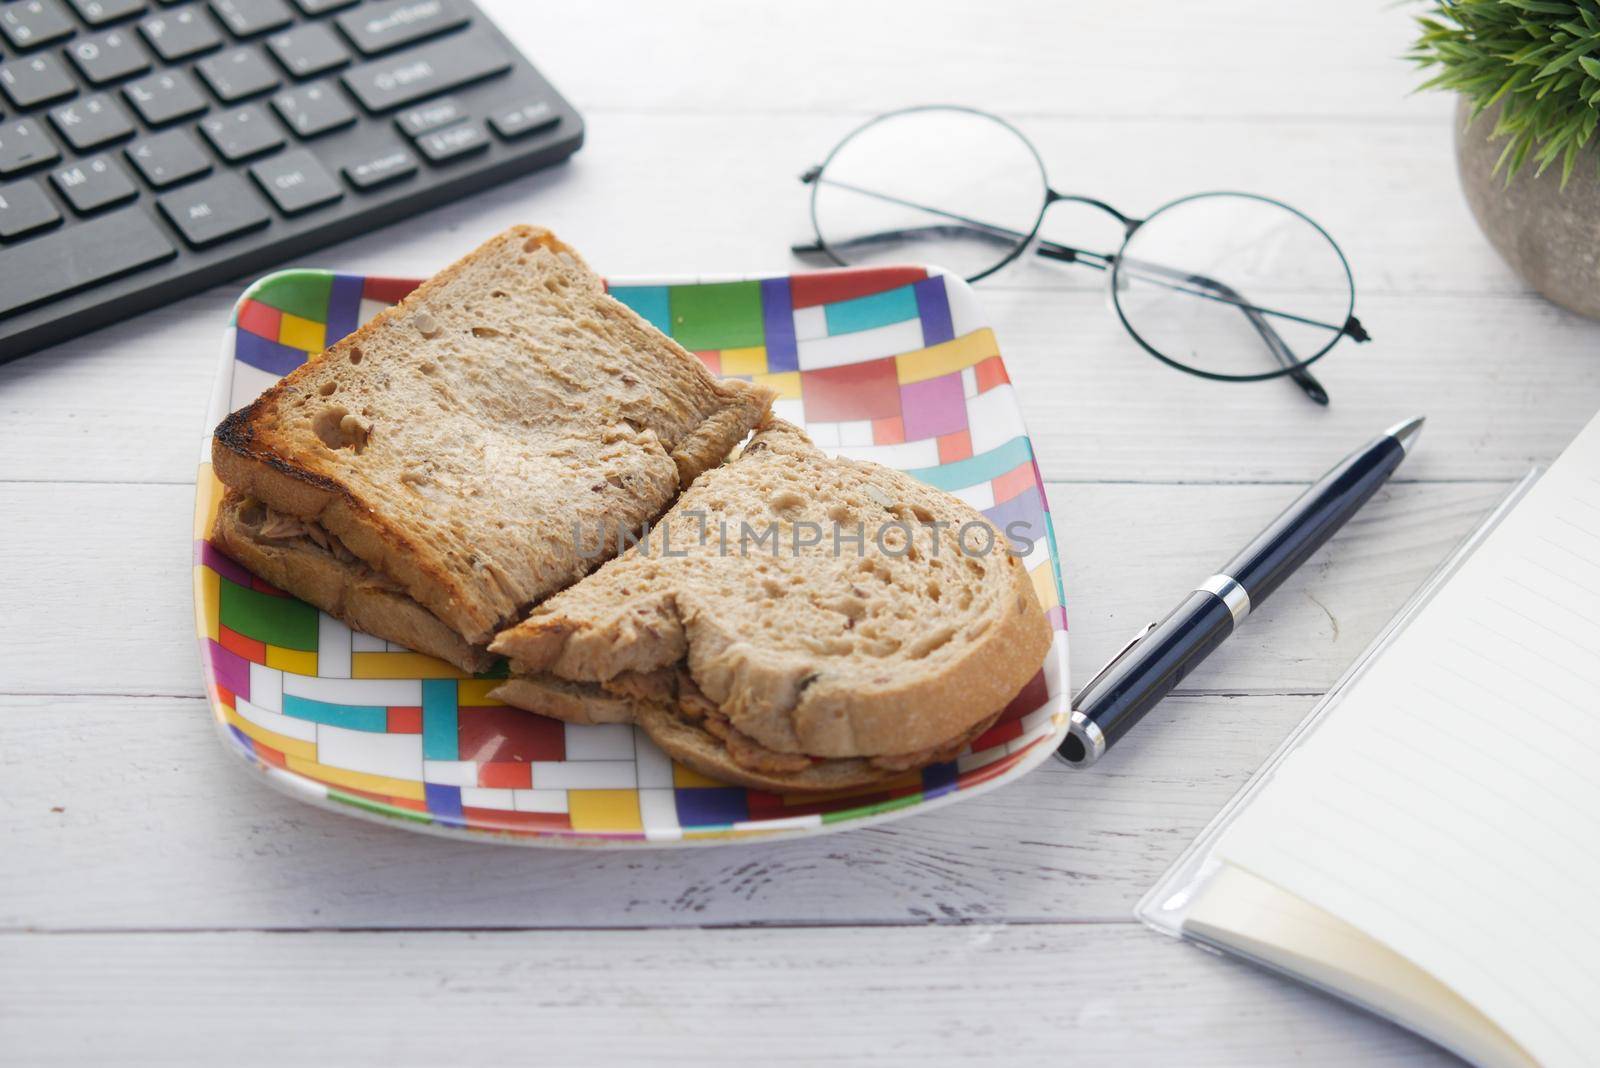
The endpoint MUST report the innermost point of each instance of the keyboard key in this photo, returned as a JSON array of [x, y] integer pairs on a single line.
[[242, 133], [94, 183], [100, 12], [168, 158], [237, 74], [386, 84], [524, 119], [79, 256], [214, 209], [164, 97], [321, 7], [24, 144], [434, 114], [106, 57], [93, 121], [313, 109], [180, 34], [308, 50], [441, 146], [296, 182], [32, 23], [246, 18], [23, 209], [381, 169], [380, 27], [35, 80]]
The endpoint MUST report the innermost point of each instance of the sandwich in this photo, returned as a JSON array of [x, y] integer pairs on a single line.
[[422, 479], [794, 623]]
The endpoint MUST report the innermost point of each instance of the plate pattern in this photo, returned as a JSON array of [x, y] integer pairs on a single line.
[[890, 364]]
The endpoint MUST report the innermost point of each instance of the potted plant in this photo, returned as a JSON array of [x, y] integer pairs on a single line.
[[1528, 76]]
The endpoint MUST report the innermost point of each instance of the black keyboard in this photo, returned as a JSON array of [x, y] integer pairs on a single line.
[[149, 148]]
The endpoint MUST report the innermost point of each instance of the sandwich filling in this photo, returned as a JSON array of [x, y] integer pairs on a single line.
[[673, 693], [270, 525], [304, 558]]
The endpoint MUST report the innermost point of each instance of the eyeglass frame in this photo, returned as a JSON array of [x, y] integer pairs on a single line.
[[1293, 368]]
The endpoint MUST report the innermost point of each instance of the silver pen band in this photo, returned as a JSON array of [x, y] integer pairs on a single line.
[[1085, 732], [1228, 590], [1088, 734]]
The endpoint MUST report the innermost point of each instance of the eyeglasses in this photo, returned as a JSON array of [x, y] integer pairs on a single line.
[[1228, 286]]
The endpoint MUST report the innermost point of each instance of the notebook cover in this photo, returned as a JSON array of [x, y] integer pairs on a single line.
[[1166, 905]]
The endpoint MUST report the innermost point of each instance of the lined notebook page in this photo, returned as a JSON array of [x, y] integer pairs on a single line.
[[1449, 806]]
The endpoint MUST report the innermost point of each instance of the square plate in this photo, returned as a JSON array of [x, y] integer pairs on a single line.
[[894, 365]]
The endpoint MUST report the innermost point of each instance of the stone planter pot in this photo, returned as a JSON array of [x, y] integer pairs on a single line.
[[1549, 236]]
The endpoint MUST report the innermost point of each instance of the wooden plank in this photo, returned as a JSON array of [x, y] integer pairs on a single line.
[[1131, 549], [106, 568], [1440, 346], [965, 995], [1098, 407], [97, 594], [1077, 58], [1390, 197], [733, 202], [123, 404], [128, 813]]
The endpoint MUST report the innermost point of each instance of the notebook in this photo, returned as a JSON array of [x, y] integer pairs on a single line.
[[1427, 843]]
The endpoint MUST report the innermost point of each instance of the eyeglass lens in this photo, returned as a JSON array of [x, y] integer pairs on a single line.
[[955, 188], [1232, 285]]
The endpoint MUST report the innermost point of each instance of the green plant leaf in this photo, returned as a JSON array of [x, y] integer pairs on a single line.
[[1538, 61], [1547, 7]]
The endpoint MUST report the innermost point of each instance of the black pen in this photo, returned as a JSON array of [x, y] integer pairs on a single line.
[[1159, 657]]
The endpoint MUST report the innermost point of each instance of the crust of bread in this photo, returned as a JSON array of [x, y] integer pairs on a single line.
[[926, 709], [691, 745], [688, 744], [570, 702], [346, 591], [247, 456], [696, 748]]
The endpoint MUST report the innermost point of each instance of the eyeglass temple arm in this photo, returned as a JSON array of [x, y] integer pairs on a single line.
[[1209, 288], [1271, 338], [1100, 261], [962, 224], [965, 225], [889, 237]]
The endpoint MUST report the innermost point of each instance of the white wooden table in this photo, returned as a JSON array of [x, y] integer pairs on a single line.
[[158, 904]]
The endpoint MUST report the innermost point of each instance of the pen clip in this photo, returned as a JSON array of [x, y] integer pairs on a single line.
[[1118, 655]]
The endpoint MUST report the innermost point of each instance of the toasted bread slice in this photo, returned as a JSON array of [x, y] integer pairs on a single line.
[[454, 442], [883, 651]]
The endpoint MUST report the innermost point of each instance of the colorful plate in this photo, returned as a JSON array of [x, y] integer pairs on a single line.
[[890, 364]]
